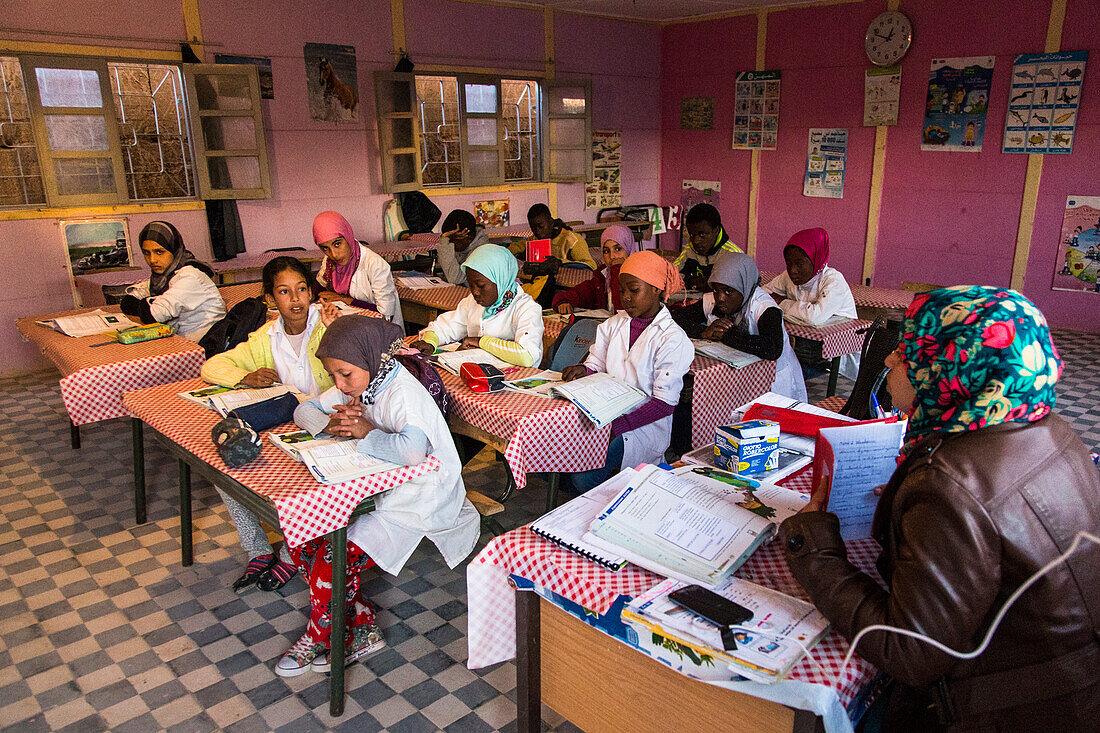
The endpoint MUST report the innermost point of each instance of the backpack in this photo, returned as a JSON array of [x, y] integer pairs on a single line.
[[426, 374], [241, 320]]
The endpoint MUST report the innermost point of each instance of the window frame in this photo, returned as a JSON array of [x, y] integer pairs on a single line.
[[464, 116], [385, 118], [548, 146]]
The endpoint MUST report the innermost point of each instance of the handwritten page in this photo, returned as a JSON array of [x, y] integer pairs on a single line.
[[864, 456]]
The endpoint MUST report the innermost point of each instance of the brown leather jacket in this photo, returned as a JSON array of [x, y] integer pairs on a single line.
[[963, 522]]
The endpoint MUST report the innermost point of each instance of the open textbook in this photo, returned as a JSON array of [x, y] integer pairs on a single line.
[[721, 352], [452, 360], [696, 523], [421, 282], [330, 460], [764, 648], [89, 324], [224, 400], [601, 397]]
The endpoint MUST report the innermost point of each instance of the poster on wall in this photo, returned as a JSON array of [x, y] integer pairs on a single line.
[[958, 96], [1042, 102], [605, 191], [881, 96], [96, 245], [263, 67], [826, 158], [756, 110], [1078, 266], [332, 82], [697, 113], [494, 213]]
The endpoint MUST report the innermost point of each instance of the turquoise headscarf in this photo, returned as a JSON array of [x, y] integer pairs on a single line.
[[977, 356], [498, 265]]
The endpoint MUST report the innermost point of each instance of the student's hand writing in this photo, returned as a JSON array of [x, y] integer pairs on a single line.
[[262, 377], [566, 309], [423, 347], [573, 372], [327, 296], [329, 313], [716, 330], [470, 342]]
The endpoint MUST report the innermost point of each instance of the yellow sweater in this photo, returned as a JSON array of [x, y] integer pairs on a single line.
[[572, 247], [230, 367]]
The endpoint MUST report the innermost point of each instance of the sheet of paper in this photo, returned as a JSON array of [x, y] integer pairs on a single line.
[[865, 457], [454, 360], [90, 324], [422, 283]]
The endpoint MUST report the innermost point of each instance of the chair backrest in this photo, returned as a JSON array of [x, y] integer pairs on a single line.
[[393, 223], [878, 341], [572, 344]]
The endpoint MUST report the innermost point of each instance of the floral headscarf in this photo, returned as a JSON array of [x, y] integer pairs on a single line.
[[977, 356]]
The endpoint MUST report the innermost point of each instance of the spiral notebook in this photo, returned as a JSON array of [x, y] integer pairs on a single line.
[[567, 524]]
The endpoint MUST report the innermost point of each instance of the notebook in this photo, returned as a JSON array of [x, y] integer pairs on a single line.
[[567, 524]]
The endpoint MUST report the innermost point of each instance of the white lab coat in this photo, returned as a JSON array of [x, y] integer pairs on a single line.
[[521, 322], [656, 364], [432, 506], [789, 381], [191, 304], [372, 283], [824, 297]]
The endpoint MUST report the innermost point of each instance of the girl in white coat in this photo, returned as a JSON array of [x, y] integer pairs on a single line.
[[351, 272], [393, 418], [644, 347], [739, 313], [497, 315]]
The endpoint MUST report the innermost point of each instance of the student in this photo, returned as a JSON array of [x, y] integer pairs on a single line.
[[708, 241], [179, 291], [809, 291], [739, 313], [497, 315], [565, 244], [461, 236], [644, 347], [601, 291], [393, 418], [351, 272], [279, 351]]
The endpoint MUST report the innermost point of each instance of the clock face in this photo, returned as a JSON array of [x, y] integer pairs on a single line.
[[888, 38]]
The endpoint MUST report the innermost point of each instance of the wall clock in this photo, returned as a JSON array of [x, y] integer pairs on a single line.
[[888, 38]]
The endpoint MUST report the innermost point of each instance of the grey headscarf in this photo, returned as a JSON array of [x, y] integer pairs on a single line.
[[368, 343], [738, 271]]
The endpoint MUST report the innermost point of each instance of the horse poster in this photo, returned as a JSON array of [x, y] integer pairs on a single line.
[[332, 82]]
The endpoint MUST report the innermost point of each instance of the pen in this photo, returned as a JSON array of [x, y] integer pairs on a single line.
[[878, 408]]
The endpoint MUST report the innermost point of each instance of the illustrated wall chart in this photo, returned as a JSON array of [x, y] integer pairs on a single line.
[[605, 191], [493, 213], [1042, 102], [1078, 266], [331, 82], [697, 113], [881, 96], [756, 110], [958, 97], [826, 158]]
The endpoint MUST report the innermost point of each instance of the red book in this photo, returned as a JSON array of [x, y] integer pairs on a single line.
[[538, 250]]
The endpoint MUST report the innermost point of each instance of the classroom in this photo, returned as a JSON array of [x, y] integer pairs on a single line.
[[701, 339]]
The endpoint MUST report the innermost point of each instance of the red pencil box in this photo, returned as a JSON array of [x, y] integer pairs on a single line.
[[482, 377]]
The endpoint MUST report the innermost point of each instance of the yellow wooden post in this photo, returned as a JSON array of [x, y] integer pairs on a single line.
[[754, 165]]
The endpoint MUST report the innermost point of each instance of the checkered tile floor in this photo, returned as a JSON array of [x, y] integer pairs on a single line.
[[102, 629]]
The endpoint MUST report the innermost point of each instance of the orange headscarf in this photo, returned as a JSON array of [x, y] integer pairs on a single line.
[[652, 268]]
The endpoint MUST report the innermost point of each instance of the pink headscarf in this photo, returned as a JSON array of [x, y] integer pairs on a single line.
[[625, 238], [815, 243], [328, 226]]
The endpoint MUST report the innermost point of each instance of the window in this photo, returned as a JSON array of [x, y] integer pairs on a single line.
[[80, 131]]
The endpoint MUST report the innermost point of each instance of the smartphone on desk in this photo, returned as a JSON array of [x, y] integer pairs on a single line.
[[714, 608]]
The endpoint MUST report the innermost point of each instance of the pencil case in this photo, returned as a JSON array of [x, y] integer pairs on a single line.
[[267, 414], [137, 334]]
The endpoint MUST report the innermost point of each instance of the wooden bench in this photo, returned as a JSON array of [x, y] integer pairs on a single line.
[[487, 507]]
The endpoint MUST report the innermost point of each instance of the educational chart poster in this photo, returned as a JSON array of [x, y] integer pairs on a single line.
[[697, 113], [826, 158], [605, 191], [1042, 102], [756, 110], [958, 96], [881, 96], [263, 67], [492, 213], [95, 245], [1078, 266], [331, 82]]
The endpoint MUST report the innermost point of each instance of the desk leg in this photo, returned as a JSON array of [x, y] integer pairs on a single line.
[[528, 663], [552, 482], [339, 542], [834, 372], [187, 551], [74, 435], [136, 435], [807, 722]]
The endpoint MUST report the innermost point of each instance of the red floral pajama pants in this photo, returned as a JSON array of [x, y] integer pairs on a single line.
[[314, 560]]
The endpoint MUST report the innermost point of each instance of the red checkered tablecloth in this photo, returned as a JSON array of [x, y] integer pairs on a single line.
[[233, 294], [521, 552], [417, 244], [837, 339], [518, 231], [571, 277], [93, 379], [869, 297], [444, 298], [719, 388], [307, 509]]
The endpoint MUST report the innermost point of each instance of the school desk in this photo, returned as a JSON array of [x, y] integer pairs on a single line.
[[403, 249], [495, 234], [713, 389], [576, 656], [275, 487], [870, 301], [837, 340]]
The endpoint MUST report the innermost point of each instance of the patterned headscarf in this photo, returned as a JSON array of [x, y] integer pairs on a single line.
[[815, 243], [368, 343], [168, 237], [500, 267], [977, 356], [652, 268], [328, 226], [737, 271]]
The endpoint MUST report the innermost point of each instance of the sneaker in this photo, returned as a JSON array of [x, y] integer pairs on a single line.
[[365, 640], [257, 566], [299, 657]]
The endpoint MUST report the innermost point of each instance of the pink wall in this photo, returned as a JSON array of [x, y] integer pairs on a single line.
[[945, 217]]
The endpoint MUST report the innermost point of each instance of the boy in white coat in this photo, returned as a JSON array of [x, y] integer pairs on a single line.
[[645, 348], [351, 272]]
